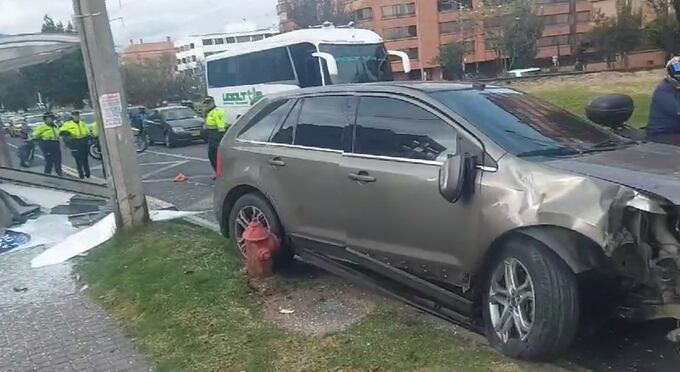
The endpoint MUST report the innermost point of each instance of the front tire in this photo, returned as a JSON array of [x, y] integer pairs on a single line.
[[248, 208], [531, 302], [168, 141]]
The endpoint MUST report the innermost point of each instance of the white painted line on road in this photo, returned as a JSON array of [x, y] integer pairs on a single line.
[[163, 169], [185, 157]]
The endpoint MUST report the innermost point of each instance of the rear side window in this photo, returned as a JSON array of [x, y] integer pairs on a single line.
[[261, 126], [322, 122], [285, 133], [394, 128]]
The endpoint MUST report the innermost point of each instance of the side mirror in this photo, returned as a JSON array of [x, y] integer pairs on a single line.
[[404, 59], [452, 178], [611, 111], [330, 62]]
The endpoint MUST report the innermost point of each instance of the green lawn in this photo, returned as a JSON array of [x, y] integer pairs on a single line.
[[574, 94], [187, 305]]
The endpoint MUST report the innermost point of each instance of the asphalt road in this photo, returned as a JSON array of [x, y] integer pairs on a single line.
[[608, 347], [158, 167]]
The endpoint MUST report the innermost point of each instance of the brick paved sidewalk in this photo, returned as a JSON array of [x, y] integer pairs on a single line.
[[52, 326]]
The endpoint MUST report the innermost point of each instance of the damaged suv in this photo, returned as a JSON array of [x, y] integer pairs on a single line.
[[481, 204]]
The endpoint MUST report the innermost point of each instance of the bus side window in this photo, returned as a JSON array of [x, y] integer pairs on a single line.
[[306, 66]]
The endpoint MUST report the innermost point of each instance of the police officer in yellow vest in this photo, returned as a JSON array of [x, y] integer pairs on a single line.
[[47, 135], [215, 125], [76, 135]]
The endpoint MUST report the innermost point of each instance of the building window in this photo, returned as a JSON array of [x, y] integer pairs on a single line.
[[184, 60], [451, 5], [412, 53], [207, 42], [219, 41], [231, 40], [453, 27], [179, 61], [192, 46], [401, 10], [583, 17], [401, 32], [556, 19], [257, 37], [193, 58], [363, 14], [553, 40], [243, 39], [491, 44], [267, 36]]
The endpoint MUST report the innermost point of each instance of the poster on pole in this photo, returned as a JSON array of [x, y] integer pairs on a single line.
[[112, 110]]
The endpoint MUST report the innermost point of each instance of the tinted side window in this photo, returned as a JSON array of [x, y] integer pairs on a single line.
[[306, 66], [261, 126], [285, 133], [322, 122], [389, 127], [267, 66]]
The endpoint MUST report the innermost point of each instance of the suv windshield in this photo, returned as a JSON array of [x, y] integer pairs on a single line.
[[527, 126], [179, 114], [359, 63]]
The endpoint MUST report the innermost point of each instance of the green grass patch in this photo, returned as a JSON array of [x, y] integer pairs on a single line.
[[574, 95], [187, 305]]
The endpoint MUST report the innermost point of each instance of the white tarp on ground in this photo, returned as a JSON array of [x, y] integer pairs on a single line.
[[93, 236]]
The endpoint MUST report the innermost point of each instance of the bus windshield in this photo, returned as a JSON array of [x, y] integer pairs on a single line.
[[359, 63]]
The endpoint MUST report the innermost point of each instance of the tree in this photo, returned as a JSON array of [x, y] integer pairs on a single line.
[[618, 35], [69, 28], [664, 31], [15, 92], [48, 25], [520, 30], [61, 81], [451, 57], [149, 82], [306, 13]]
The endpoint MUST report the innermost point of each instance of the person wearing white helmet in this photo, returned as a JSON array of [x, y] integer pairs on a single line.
[[664, 112]]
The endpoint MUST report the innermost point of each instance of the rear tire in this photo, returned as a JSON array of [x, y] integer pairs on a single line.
[[551, 311], [244, 207]]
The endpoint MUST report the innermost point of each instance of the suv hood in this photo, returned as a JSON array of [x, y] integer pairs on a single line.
[[650, 167]]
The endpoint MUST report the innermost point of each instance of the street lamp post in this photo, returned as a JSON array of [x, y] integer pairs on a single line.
[[108, 100]]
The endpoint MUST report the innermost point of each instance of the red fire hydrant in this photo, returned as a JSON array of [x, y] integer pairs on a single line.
[[261, 244]]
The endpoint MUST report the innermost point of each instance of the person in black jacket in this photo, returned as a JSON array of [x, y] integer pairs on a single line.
[[664, 111]]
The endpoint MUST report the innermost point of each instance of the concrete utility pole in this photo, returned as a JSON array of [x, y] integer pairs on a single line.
[[108, 100]]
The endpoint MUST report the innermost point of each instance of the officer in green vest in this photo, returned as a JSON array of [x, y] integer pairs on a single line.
[[215, 127], [76, 135], [47, 135]]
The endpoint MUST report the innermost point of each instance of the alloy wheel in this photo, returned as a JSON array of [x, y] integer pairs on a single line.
[[512, 302], [244, 217]]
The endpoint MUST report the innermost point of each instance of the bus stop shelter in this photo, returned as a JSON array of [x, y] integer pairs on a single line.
[[17, 51]]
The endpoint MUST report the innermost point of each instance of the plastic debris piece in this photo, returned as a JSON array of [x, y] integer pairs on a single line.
[[286, 311], [77, 243], [180, 177]]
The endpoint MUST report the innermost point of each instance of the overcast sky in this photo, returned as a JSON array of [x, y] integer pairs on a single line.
[[151, 20]]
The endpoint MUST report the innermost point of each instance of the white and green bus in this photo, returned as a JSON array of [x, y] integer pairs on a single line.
[[304, 58]]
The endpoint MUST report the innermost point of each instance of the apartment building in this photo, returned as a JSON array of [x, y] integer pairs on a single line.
[[421, 27], [147, 51], [192, 50]]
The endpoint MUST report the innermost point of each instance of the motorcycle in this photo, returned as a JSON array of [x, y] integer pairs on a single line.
[[141, 144], [27, 154]]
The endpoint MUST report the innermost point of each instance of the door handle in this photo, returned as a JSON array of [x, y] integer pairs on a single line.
[[362, 176], [277, 162]]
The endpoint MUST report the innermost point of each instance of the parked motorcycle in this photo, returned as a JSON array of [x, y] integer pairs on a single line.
[[141, 144]]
